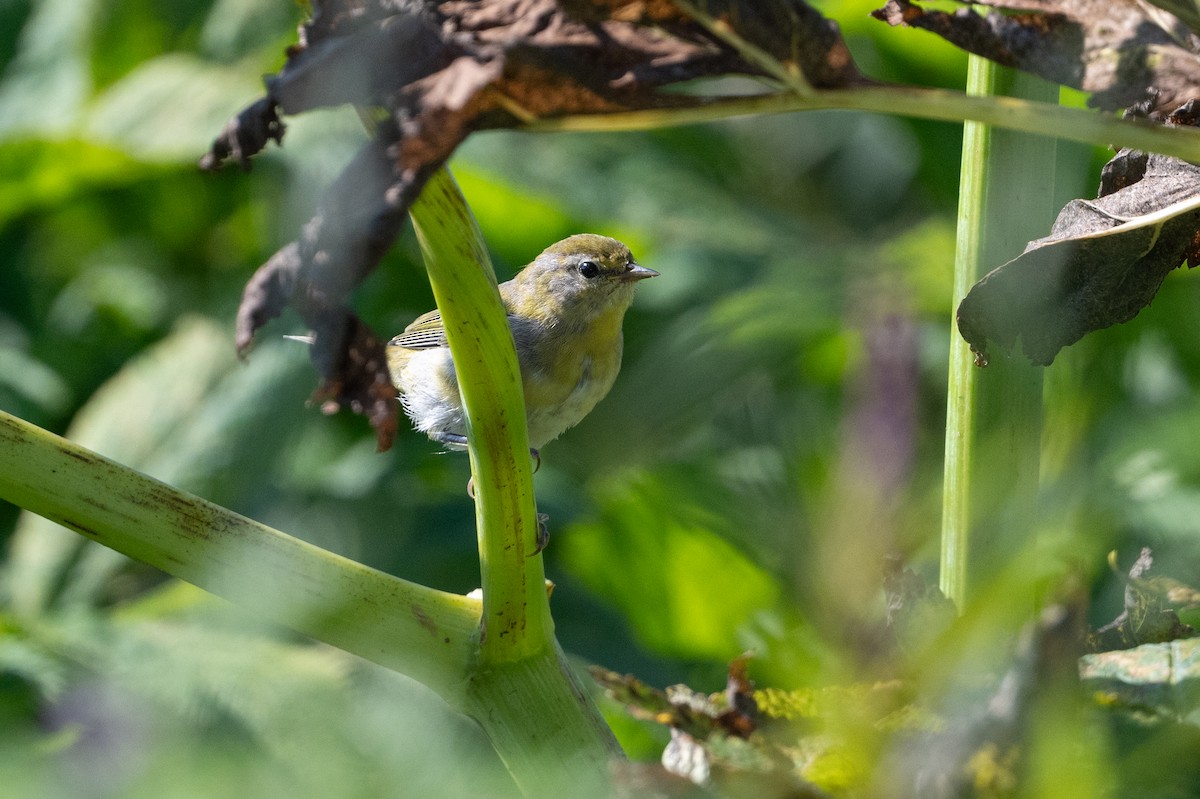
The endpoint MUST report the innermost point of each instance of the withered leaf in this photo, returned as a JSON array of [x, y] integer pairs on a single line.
[[1148, 616], [678, 707], [740, 716], [352, 229], [432, 73], [711, 744], [360, 66], [1103, 261], [1120, 50], [245, 135]]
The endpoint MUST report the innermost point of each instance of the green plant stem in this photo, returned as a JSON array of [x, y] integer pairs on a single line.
[[424, 633], [993, 424], [516, 613], [521, 690], [544, 726], [1043, 118]]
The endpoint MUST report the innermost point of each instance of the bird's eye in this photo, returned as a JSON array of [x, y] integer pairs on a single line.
[[589, 269]]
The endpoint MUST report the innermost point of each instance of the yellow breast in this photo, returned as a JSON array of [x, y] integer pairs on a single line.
[[567, 376]]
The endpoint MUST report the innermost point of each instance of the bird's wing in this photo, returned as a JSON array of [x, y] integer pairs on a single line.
[[425, 332]]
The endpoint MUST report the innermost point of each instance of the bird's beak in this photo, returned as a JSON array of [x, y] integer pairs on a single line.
[[636, 272]]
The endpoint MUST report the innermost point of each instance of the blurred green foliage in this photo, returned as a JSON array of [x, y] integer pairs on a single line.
[[738, 490]]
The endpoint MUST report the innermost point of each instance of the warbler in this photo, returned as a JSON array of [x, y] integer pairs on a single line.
[[565, 310]]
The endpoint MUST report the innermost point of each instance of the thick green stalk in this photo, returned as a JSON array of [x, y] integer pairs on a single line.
[[1009, 113], [993, 424], [521, 690], [544, 726], [516, 613], [424, 633]]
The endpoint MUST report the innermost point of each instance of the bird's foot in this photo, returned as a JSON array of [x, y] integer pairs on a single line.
[[450, 440], [543, 534]]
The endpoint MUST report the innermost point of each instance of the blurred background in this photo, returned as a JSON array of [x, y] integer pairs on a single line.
[[776, 431]]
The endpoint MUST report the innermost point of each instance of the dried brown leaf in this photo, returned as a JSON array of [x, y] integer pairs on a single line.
[[352, 229], [1103, 261], [1148, 616], [1121, 50]]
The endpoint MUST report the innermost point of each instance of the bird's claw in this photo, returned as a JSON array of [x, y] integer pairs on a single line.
[[543, 534]]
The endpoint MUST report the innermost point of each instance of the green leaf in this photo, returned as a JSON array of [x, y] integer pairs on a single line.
[[239, 28], [37, 175], [1156, 679], [197, 413], [168, 107], [496, 203], [27, 379], [660, 562], [47, 83]]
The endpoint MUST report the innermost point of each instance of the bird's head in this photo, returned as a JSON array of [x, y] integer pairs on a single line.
[[578, 277]]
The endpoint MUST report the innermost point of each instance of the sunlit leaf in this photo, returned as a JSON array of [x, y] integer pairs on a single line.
[[165, 108], [660, 566], [238, 28], [36, 174], [46, 85], [31, 381], [198, 412], [1155, 679]]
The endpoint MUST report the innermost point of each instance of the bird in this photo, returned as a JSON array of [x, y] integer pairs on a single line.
[[565, 310]]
